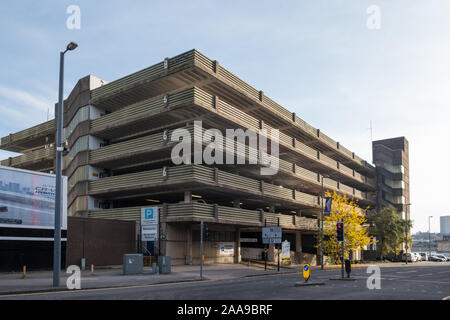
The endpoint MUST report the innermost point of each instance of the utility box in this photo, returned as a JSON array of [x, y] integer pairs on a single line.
[[164, 264], [133, 263]]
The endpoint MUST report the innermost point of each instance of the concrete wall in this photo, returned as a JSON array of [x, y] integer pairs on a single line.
[[212, 252], [101, 242]]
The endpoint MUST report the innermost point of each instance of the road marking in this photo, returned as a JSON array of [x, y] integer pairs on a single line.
[[138, 286], [443, 271], [424, 275], [446, 298], [103, 289], [406, 271]]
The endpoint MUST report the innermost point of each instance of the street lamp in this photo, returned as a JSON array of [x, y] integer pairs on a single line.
[[429, 237], [59, 150], [406, 232], [321, 249]]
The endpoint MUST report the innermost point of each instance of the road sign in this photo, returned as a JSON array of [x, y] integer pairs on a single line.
[[286, 251], [271, 235], [271, 232], [149, 232], [271, 240], [149, 224], [306, 271], [149, 215]]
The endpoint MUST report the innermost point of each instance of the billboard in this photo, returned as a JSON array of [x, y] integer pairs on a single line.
[[27, 199]]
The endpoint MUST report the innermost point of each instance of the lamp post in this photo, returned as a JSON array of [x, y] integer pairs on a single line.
[[406, 232], [321, 229], [429, 237], [59, 150]]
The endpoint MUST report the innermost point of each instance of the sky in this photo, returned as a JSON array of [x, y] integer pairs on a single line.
[[316, 58]]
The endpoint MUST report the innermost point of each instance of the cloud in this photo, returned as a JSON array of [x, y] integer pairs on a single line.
[[21, 97]]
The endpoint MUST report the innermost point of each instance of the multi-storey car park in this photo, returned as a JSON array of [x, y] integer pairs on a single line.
[[119, 160]]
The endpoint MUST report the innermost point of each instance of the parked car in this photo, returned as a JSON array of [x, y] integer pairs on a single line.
[[410, 256], [418, 256], [438, 258], [447, 255], [424, 256]]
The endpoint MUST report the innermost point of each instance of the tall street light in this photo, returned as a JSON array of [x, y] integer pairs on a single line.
[[59, 150], [429, 237], [406, 232], [321, 229]]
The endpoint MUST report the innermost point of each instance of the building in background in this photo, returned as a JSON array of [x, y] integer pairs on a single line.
[[445, 226], [391, 158], [119, 161]]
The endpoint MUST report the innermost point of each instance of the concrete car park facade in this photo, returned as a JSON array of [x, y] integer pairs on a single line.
[[119, 141]]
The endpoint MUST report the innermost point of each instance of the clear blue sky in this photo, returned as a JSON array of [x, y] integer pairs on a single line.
[[317, 58]]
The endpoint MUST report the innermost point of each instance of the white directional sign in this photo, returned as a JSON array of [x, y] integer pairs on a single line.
[[286, 251]]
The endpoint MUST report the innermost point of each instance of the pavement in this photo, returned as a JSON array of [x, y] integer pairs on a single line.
[[422, 280], [106, 277]]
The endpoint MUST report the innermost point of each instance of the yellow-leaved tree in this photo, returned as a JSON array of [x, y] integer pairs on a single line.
[[356, 232]]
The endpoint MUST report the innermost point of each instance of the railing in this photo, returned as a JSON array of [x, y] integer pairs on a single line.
[[152, 142], [146, 107], [31, 156], [272, 105], [197, 95], [130, 147], [194, 57], [194, 210], [39, 130], [191, 173], [142, 76]]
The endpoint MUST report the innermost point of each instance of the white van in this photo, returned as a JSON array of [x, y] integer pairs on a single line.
[[410, 256]]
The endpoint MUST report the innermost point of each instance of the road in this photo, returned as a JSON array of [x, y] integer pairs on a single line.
[[412, 282]]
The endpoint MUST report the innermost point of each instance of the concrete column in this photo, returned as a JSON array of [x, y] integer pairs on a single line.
[[187, 196], [237, 249], [189, 245], [271, 253], [298, 247]]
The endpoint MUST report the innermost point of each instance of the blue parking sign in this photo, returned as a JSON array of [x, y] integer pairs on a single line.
[[149, 213]]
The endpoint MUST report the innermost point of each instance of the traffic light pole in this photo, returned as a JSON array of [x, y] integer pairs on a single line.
[[201, 250], [342, 252], [278, 224], [321, 231], [265, 247]]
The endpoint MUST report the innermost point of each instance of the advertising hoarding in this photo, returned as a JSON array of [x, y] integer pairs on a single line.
[[27, 199]]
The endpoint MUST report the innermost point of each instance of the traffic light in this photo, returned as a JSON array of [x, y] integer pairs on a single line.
[[340, 231]]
